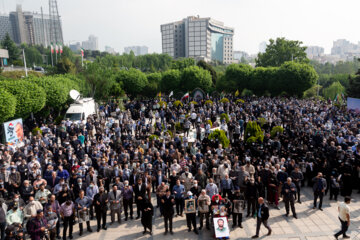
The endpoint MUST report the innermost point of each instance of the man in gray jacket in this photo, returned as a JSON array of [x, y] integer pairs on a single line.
[[319, 189], [115, 203]]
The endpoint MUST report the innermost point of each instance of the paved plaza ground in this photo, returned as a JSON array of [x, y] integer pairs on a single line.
[[310, 225]]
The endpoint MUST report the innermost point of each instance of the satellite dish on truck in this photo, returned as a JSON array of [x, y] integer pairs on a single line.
[[75, 95]]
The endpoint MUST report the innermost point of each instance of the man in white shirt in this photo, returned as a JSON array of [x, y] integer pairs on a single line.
[[344, 217]]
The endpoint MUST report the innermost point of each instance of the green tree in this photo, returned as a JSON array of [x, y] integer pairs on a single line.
[[56, 91], [14, 51], [100, 80], [133, 81], [280, 51], [333, 90], [65, 65], [313, 91], [30, 98], [33, 56], [295, 78], [238, 76], [210, 68], [170, 81], [195, 77], [354, 86], [153, 85], [7, 106], [182, 63]]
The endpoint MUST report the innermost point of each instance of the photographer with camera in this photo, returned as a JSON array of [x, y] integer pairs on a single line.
[[37, 227]]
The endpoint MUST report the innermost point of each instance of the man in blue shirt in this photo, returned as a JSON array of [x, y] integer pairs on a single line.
[[178, 191]]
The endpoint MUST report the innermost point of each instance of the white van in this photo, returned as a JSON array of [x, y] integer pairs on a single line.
[[81, 109]]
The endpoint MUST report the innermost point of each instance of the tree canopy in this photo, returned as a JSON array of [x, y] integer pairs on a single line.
[[280, 51]]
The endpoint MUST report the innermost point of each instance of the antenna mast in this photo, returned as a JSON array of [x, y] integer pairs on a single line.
[[56, 35]]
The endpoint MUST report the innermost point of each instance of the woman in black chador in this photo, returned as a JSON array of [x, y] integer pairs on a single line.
[[146, 216]]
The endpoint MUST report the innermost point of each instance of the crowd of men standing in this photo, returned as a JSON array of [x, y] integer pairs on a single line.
[[73, 172]]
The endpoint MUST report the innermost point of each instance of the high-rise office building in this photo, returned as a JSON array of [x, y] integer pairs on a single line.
[[33, 28], [314, 51], [137, 50], [5, 26], [91, 44], [200, 38]]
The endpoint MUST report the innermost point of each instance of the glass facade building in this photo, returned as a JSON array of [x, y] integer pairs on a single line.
[[199, 38]]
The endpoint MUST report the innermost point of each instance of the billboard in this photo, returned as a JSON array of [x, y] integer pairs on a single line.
[[353, 104], [14, 132]]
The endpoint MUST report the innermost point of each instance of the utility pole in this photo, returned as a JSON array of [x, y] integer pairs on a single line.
[[26, 73]]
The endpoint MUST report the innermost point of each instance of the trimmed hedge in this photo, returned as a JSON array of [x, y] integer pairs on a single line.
[[7, 106], [224, 116]]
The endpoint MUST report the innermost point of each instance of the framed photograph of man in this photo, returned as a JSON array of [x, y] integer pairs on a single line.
[[222, 210], [190, 206], [221, 227], [216, 209], [203, 207], [238, 206]]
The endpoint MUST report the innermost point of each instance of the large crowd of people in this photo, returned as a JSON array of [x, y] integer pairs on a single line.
[[118, 161]]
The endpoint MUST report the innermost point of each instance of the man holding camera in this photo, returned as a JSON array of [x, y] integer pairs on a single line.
[[36, 227]]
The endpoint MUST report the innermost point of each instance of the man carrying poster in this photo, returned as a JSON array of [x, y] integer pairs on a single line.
[[190, 211], [14, 132]]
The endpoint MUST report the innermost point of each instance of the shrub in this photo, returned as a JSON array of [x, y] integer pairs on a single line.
[[224, 116], [275, 130], [7, 106], [208, 102], [58, 119], [20, 74], [36, 131], [178, 103], [239, 101], [193, 102], [220, 136], [251, 140], [209, 122], [153, 137], [253, 130], [224, 100]]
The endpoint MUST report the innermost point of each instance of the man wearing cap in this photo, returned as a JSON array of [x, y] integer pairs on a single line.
[[36, 227], [100, 202], [191, 217]]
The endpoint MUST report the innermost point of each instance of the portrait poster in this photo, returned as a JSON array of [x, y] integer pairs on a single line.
[[222, 210], [14, 132], [216, 209], [238, 206], [203, 207], [190, 206], [221, 227]]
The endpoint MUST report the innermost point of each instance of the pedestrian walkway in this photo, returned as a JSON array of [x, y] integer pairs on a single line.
[[310, 225]]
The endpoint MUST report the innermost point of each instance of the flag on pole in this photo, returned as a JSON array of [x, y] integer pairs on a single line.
[[61, 49], [52, 48], [171, 93], [57, 48], [237, 93], [82, 52], [186, 96]]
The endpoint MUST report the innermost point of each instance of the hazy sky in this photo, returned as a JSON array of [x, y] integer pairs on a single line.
[[120, 23]]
